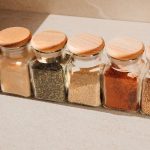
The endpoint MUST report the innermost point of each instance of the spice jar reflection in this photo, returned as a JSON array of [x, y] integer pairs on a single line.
[[85, 69], [123, 75], [48, 70], [16, 58]]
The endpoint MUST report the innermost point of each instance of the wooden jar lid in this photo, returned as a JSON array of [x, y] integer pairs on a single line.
[[14, 36], [85, 44], [49, 41], [125, 48]]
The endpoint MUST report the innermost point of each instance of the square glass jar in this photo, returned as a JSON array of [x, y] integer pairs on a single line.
[[15, 78], [49, 76], [85, 80]]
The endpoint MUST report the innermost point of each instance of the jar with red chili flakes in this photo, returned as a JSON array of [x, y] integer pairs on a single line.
[[122, 76]]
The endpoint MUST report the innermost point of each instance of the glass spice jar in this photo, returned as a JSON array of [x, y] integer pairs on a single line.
[[122, 76], [48, 70], [85, 69], [16, 57], [145, 102]]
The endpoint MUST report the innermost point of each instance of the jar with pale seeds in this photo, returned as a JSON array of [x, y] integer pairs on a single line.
[[85, 69]]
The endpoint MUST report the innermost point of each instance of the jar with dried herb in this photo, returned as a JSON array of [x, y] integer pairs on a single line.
[[48, 70], [122, 76], [15, 63], [145, 102], [85, 69]]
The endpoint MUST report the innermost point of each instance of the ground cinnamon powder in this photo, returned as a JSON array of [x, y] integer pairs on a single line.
[[120, 90], [145, 104]]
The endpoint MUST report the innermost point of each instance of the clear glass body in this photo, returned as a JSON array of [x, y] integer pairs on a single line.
[[122, 84], [145, 102], [15, 71], [84, 80], [48, 76]]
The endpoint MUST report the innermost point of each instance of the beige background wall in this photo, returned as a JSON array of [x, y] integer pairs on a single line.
[[136, 10]]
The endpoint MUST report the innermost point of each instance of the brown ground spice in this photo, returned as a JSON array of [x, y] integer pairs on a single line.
[[120, 90], [145, 104]]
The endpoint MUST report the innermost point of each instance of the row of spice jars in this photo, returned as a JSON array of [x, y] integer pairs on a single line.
[[77, 70]]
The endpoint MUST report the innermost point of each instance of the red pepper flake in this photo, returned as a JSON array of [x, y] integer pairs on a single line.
[[120, 90]]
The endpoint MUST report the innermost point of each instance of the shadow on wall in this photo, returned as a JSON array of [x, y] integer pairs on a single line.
[[135, 10], [30, 20]]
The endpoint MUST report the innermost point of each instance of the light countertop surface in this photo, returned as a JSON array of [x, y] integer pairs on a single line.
[[35, 125]]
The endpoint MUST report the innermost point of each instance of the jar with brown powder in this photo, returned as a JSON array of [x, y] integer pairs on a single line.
[[122, 76], [85, 69], [16, 58], [145, 102]]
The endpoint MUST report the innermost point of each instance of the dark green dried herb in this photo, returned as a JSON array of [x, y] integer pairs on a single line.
[[48, 81]]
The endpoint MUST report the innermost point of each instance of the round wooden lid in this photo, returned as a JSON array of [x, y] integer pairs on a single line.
[[48, 41], [14, 36], [125, 48], [85, 44]]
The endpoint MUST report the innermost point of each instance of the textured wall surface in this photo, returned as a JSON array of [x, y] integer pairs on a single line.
[[29, 20], [136, 10]]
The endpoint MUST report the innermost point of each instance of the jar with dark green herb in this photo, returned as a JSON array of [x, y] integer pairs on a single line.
[[48, 70]]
